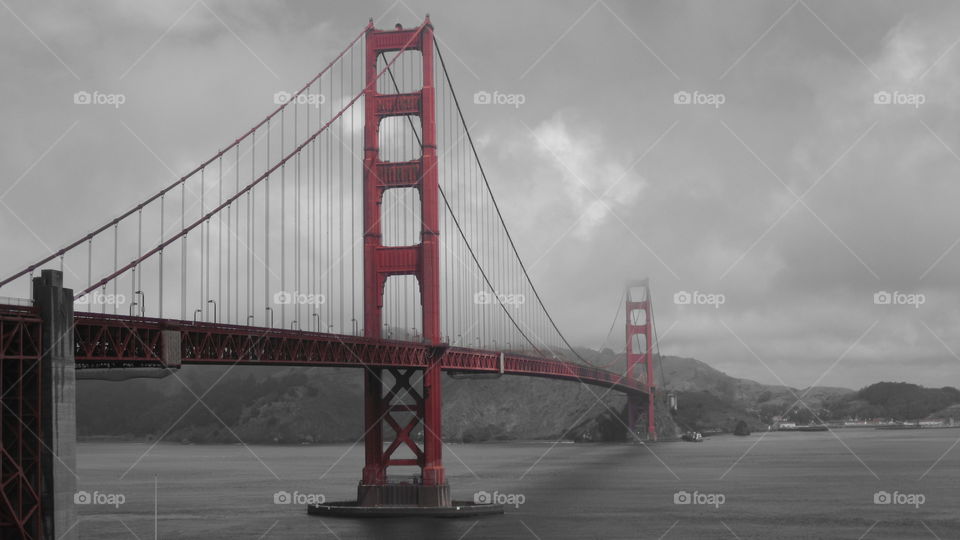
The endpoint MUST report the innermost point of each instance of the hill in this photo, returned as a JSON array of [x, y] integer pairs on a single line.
[[307, 405], [898, 401], [297, 405], [709, 399]]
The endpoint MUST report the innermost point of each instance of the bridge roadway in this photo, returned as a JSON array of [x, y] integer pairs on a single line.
[[108, 341]]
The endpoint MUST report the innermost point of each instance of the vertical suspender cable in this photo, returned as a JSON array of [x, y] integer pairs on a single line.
[[340, 213], [160, 265], [220, 234], [204, 240], [236, 247], [183, 254], [266, 232], [353, 209]]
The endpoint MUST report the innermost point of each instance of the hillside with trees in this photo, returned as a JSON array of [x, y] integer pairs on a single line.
[[898, 401], [269, 405]]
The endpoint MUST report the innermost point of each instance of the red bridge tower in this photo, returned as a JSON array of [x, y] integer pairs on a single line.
[[640, 357], [421, 260]]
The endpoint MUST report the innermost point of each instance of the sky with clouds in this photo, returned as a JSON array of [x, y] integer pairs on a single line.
[[813, 167]]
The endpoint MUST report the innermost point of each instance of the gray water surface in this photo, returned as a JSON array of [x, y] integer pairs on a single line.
[[776, 485]]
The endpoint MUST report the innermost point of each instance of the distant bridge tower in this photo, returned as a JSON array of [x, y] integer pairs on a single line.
[[640, 343], [421, 260]]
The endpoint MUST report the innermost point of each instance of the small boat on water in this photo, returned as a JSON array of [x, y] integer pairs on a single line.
[[692, 436]]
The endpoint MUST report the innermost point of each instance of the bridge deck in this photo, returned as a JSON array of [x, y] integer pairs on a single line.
[[122, 341]]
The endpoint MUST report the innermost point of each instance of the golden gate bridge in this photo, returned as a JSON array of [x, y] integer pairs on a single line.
[[354, 226]]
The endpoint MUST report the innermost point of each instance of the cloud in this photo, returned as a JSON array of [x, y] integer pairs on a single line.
[[593, 179]]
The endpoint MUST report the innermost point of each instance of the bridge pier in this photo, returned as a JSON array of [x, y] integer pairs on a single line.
[[58, 406]]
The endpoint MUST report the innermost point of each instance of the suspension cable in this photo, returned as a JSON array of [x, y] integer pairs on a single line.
[[185, 177], [456, 221], [483, 175], [249, 187]]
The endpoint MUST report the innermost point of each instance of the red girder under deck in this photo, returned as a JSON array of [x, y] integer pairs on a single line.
[[118, 341], [21, 446]]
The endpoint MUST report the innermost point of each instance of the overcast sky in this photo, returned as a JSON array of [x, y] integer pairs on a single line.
[[792, 189]]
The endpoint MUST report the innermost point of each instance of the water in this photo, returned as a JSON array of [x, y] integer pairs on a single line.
[[787, 485]]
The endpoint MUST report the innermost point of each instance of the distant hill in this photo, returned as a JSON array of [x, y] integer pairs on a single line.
[[296, 405], [709, 399], [898, 401]]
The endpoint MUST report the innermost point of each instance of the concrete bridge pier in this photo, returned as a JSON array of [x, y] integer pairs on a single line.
[[58, 407]]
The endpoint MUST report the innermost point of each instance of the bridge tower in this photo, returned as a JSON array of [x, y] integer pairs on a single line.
[[640, 357], [38, 415], [421, 260]]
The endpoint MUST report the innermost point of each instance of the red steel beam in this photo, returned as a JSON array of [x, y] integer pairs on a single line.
[[118, 341]]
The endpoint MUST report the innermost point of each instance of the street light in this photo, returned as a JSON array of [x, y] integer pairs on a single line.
[[198, 310], [214, 309]]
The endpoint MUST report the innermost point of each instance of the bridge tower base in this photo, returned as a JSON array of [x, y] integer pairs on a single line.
[[38, 416], [59, 405]]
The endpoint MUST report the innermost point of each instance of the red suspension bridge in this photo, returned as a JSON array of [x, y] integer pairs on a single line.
[[354, 226]]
